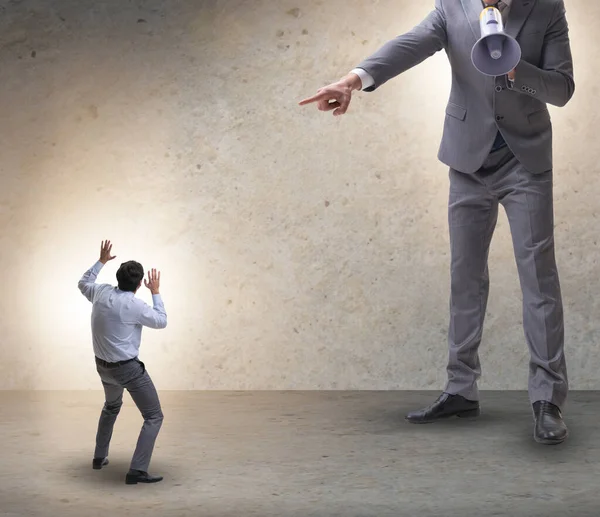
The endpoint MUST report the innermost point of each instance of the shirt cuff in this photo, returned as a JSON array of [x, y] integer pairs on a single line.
[[365, 77], [156, 298], [97, 266]]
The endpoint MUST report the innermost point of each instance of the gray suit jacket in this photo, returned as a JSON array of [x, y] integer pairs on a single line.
[[479, 105]]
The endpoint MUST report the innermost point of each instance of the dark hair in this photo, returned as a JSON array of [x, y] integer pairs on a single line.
[[130, 275]]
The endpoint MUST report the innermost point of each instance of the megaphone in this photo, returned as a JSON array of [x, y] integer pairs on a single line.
[[496, 53]]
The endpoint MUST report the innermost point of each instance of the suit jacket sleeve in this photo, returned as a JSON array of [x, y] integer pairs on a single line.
[[552, 82], [407, 50]]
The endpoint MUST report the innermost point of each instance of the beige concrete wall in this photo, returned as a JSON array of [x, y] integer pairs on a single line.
[[297, 250]]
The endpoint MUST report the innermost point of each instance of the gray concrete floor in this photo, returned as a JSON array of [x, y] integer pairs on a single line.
[[298, 454]]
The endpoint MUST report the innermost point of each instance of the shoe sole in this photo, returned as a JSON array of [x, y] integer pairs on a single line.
[[550, 442], [135, 481], [471, 413]]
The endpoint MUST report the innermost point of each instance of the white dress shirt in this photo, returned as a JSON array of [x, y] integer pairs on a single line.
[[366, 79], [118, 317]]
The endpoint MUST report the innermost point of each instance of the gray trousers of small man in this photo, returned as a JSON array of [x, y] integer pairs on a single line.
[[133, 377]]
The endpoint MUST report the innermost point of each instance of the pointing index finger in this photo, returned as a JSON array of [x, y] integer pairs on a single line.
[[314, 98]]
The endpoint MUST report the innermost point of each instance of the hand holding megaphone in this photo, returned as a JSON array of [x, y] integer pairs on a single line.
[[496, 53]]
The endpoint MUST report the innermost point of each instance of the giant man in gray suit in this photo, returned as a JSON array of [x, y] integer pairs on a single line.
[[497, 141]]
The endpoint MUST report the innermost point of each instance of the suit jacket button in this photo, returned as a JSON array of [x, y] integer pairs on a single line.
[[499, 88]]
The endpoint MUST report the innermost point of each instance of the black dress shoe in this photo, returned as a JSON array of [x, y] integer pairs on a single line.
[[137, 476], [550, 429], [445, 406], [98, 463]]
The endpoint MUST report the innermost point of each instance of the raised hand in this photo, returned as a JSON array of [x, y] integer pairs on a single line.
[[153, 282], [105, 249]]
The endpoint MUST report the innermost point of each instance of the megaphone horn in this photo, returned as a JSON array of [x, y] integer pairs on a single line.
[[496, 53]]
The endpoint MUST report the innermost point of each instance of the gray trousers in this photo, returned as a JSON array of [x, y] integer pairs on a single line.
[[472, 214], [133, 377]]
